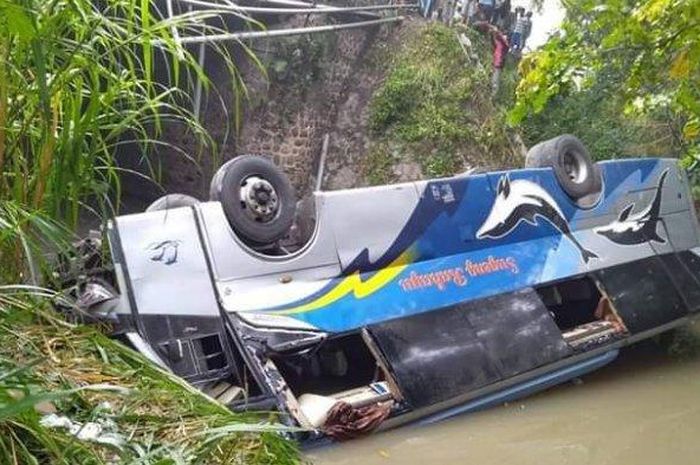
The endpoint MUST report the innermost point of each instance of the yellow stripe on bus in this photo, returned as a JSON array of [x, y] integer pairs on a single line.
[[354, 284]]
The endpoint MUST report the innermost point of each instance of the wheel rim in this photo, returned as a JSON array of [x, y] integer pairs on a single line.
[[575, 167], [259, 199]]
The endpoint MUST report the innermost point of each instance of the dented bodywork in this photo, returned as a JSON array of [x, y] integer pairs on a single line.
[[423, 298]]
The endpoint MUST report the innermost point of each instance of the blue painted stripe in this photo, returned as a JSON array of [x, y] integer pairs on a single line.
[[441, 235]]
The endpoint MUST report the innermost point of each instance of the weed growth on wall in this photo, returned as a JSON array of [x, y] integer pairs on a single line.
[[435, 107]]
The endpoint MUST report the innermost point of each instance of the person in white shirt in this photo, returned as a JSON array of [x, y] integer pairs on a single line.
[[523, 26]]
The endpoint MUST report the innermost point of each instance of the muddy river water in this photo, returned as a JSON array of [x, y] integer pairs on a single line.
[[644, 408]]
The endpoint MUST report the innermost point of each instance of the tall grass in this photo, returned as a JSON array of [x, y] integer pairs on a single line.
[[48, 365], [77, 79]]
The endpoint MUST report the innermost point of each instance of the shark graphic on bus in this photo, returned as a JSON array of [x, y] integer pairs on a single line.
[[636, 229]]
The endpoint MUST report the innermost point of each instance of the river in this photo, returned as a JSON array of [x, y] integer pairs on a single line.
[[644, 408]]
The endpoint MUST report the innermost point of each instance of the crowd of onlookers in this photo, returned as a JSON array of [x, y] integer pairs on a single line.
[[507, 27], [514, 23]]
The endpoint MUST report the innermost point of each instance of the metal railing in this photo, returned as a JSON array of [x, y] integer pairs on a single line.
[[284, 7]]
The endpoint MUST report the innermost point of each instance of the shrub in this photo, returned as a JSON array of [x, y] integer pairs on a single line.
[[435, 104]]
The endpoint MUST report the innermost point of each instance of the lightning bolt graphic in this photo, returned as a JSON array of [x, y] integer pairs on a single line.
[[354, 284]]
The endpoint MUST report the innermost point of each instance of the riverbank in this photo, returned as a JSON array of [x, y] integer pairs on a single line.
[[69, 394]]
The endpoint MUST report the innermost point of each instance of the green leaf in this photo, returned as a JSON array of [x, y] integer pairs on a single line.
[[17, 21], [691, 130], [680, 68]]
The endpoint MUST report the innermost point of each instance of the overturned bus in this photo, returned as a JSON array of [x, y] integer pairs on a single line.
[[407, 302]]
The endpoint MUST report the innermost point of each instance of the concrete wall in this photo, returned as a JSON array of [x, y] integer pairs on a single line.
[[284, 118]]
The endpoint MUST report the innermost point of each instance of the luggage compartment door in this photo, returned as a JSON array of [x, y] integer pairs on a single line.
[[652, 292], [442, 354]]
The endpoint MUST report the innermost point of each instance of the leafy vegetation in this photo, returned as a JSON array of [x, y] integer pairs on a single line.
[[78, 79], [435, 107], [48, 366], [596, 118], [623, 74], [296, 61], [295, 66]]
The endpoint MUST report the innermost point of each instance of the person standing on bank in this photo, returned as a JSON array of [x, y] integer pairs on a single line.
[[501, 14], [510, 23], [472, 11], [521, 24], [500, 50], [486, 8]]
